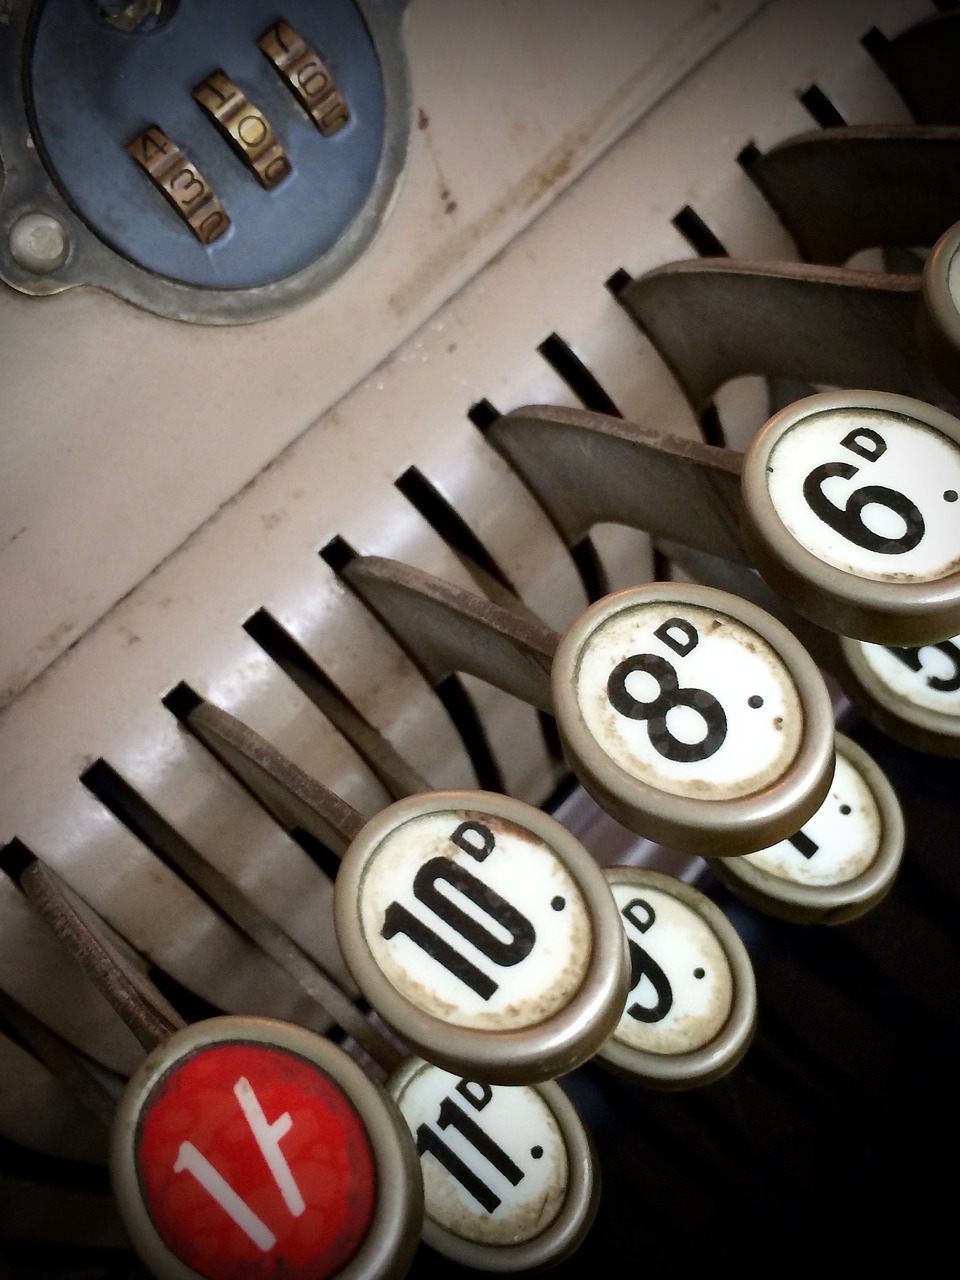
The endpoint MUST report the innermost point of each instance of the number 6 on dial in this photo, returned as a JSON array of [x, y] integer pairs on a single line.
[[851, 511]]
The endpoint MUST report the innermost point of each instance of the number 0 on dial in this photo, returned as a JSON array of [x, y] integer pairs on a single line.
[[484, 933]]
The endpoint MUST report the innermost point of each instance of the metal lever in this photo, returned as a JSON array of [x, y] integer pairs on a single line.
[[838, 191], [141, 1006], [713, 320], [449, 629], [294, 798], [922, 64], [585, 468]]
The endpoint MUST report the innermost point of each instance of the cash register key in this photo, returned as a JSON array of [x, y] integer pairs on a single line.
[[939, 316], [913, 694], [842, 863], [245, 1147], [181, 182], [691, 1011], [694, 718], [509, 1173], [851, 511], [245, 127], [484, 933]]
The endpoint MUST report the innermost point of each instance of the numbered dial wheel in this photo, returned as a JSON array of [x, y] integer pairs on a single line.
[[940, 309], [842, 863], [852, 513], [245, 1148], [691, 1011], [911, 693], [509, 1175], [694, 718], [484, 933]]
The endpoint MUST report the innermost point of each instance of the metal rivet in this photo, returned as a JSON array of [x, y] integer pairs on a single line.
[[39, 242]]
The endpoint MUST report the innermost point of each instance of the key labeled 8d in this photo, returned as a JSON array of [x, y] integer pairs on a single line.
[[693, 717], [510, 1178], [852, 513], [484, 933]]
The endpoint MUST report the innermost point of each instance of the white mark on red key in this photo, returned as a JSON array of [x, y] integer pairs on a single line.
[[236, 1195]]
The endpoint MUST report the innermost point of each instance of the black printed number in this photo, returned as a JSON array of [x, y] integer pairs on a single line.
[[848, 520], [642, 965], [670, 695], [398, 919], [943, 684], [453, 1116]]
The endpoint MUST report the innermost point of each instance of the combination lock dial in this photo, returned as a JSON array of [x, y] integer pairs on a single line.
[[205, 159]]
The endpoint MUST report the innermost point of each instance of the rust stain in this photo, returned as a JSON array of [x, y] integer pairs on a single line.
[[501, 826], [529, 190], [13, 538]]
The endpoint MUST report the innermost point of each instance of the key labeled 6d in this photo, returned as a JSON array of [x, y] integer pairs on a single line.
[[484, 933], [852, 513], [694, 718]]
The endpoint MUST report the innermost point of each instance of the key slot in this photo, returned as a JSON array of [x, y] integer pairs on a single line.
[[458, 704], [701, 239], [819, 107], [140, 818], [584, 554], [478, 562], [399, 778], [567, 364]]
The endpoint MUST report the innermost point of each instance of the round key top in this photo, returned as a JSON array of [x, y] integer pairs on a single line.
[[851, 513], [842, 863], [483, 932], [694, 718], [911, 693], [940, 309], [509, 1175], [247, 1148], [691, 1011]]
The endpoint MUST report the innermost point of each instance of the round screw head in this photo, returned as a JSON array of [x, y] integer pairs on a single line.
[[694, 718], [39, 242], [484, 933], [847, 511]]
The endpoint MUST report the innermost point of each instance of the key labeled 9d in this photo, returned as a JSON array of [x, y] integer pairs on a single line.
[[852, 513]]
